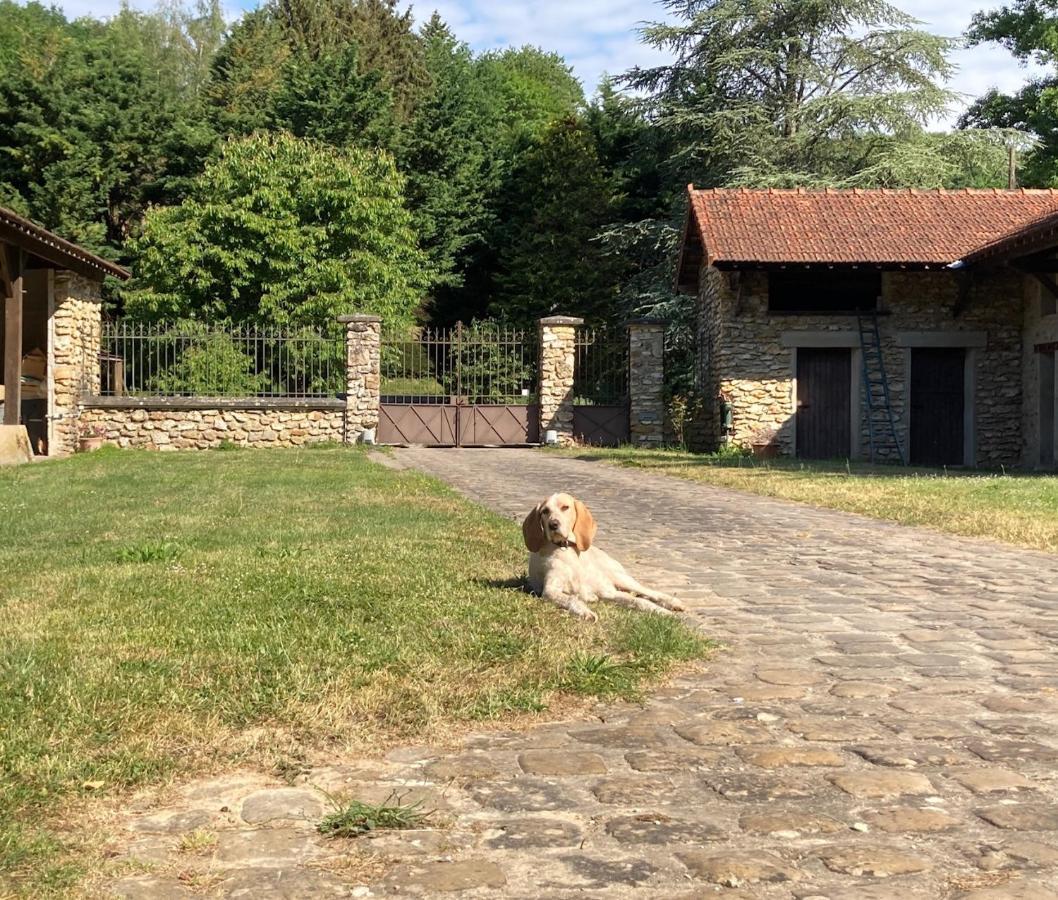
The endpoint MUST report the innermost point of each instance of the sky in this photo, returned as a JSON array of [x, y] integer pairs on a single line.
[[599, 36]]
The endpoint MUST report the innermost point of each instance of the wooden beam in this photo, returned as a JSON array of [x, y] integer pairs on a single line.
[[1050, 286], [13, 336]]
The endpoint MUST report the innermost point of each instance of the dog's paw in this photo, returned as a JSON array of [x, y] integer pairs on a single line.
[[583, 611]]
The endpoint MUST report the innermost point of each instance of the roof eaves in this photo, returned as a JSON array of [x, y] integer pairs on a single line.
[[59, 251]]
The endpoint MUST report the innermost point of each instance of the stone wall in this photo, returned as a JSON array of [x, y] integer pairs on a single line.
[[746, 353], [558, 336], [160, 426], [76, 324], [363, 372], [646, 383]]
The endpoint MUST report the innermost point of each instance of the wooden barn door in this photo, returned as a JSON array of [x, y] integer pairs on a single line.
[[824, 398], [938, 406]]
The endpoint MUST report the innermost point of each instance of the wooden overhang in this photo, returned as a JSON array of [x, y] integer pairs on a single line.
[[20, 242]]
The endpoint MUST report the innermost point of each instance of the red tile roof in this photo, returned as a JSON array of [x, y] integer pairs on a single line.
[[869, 227]]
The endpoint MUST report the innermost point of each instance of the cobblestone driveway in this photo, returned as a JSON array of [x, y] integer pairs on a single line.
[[881, 724]]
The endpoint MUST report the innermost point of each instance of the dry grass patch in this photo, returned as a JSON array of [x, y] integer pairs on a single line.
[[169, 615], [1020, 509]]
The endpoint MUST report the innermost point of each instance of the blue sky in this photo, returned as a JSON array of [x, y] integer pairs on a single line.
[[599, 36]]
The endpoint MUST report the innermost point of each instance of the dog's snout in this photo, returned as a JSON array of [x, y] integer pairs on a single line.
[[553, 523]]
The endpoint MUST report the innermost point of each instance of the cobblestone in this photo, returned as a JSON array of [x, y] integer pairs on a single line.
[[880, 724]]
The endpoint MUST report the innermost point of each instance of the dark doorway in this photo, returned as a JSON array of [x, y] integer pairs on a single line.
[[824, 397], [938, 407], [1047, 457]]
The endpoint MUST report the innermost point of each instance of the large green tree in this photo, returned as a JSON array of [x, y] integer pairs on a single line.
[[556, 201], [282, 230], [1029, 30], [451, 155], [772, 88], [270, 46], [97, 119], [325, 97]]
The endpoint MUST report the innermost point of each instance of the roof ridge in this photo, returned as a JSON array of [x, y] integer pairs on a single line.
[[860, 191]]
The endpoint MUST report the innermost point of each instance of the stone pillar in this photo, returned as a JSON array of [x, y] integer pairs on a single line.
[[363, 373], [646, 382], [557, 361], [76, 334]]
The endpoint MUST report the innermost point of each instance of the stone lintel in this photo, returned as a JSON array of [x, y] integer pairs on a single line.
[[942, 339], [561, 320], [362, 318], [838, 339]]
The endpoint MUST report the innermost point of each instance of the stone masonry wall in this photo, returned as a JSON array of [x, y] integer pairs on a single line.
[[204, 429], [76, 334], [744, 358], [557, 361], [363, 367], [646, 383]]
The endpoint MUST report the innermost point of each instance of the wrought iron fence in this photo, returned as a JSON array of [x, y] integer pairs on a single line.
[[191, 359], [600, 374], [480, 363]]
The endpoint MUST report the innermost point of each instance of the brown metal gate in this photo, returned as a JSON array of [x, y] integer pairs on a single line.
[[600, 387], [471, 385]]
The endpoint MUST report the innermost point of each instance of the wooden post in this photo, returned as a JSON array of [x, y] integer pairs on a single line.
[[12, 334]]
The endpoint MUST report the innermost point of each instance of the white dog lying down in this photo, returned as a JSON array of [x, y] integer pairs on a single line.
[[567, 570]]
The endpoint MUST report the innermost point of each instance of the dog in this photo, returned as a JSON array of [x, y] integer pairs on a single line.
[[567, 570]]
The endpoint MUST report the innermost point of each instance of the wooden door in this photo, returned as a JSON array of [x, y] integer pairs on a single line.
[[824, 403], [937, 406]]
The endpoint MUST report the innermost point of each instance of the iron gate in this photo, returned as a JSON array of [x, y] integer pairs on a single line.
[[471, 385], [600, 387]]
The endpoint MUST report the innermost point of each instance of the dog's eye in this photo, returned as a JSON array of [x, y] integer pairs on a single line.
[[565, 509]]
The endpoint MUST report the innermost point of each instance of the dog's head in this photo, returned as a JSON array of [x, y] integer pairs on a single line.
[[561, 520]]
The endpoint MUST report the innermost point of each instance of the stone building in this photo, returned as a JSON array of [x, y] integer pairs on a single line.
[[829, 321], [49, 331]]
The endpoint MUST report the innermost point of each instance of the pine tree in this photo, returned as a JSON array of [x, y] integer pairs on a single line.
[[449, 156], [557, 199]]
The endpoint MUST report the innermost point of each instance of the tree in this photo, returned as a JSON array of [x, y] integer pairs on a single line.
[[556, 201], [96, 121], [1029, 30], [766, 87], [252, 68], [282, 230], [449, 155], [326, 98], [531, 89]]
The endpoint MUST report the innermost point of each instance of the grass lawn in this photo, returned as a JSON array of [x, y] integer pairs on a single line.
[[1018, 509], [165, 614]]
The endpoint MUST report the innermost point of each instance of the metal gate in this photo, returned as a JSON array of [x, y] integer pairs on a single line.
[[471, 385], [600, 387]]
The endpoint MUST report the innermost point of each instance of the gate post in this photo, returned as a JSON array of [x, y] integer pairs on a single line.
[[363, 371], [558, 336], [646, 382]]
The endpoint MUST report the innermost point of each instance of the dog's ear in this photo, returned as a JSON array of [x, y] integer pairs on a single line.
[[584, 528], [533, 531]]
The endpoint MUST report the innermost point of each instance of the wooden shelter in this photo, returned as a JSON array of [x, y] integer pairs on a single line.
[[50, 289]]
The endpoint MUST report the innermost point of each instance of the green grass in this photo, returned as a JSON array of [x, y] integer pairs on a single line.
[[1020, 509], [355, 818], [167, 614]]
